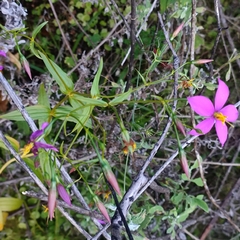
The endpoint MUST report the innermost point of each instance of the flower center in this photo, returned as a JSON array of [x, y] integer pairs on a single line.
[[219, 116], [27, 148]]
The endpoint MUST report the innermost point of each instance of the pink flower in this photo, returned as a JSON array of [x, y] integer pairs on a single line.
[[36, 145], [63, 194], [214, 113]]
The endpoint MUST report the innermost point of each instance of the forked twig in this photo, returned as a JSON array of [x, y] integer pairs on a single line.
[[213, 201]]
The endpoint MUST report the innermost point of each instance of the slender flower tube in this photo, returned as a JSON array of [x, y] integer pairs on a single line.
[[214, 113]]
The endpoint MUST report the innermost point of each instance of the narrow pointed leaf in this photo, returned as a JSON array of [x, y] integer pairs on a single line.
[[63, 80], [89, 101], [37, 112], [120, 98], [38, 28], [43, 97], [95, 86]]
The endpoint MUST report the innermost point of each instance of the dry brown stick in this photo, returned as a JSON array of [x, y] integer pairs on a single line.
[[223, 205], [62, 32], [132, 39], [77, 209], [213, 201], [236, 155]]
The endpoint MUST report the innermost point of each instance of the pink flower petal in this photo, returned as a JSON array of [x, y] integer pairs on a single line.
[[222, 131], [64, 194], [201, 105], [221, 95], [35, 135], [231, 112], [205, 126], [45, 146], [44, 125], [3, 53]]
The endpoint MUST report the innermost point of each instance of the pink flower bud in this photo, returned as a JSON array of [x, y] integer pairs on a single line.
[[26, 67], [63, 194], [102, 209], [180, 127], [176, 32], [52, 195], [202, 61], [184, 162], [112, 179]]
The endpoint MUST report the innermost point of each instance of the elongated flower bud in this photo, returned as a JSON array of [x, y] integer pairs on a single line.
[[110, 176], [202, 61], [64, 194], [52, 196], [180, 127], [177, 31], [184, 162], [26, 67], [102, 208]]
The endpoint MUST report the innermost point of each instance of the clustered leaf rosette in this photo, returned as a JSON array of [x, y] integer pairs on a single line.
[[214, 113]]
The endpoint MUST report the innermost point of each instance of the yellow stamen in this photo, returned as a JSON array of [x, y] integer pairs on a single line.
[[27, 148], [45, 208], [106, 195], [219, 116]]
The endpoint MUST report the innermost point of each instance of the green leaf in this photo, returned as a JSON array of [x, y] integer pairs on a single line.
[[37, 112], [95, 86], [9, 204], [45, 164], [38, 28], [176, 199], [63, 80], [200, 203], [198, 181], [154, 209], [120, 98], [34, 34], [70, 113], [43, 97], [89, 101]]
